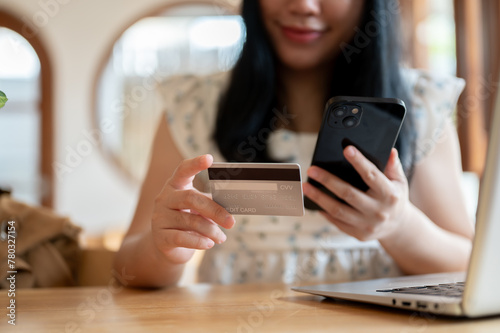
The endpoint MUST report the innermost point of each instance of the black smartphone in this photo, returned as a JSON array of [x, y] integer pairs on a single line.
[[370, 124]]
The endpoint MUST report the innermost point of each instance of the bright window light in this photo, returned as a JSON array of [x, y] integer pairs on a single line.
[[216, 32], [18, 60]]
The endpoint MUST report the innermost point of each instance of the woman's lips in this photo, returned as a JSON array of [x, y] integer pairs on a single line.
[[303, 36]]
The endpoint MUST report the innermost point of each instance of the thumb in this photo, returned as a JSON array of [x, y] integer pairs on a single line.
[[394, 169], [187, 169]]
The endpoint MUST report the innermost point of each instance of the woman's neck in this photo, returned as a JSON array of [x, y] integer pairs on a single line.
[[304, 94]]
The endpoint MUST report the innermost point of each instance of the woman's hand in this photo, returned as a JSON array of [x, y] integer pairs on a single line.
[[184, 219], [376, 214]]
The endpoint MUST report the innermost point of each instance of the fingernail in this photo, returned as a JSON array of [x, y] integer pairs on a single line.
[[313, 173], [222, 237], [350, 151], [230, 220], [209, 243], [207, 159]]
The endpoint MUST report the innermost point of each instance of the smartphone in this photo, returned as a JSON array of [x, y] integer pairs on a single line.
[[370, 124]]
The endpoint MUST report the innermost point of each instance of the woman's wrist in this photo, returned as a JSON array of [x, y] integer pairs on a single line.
[[143, 260], [400, 229]]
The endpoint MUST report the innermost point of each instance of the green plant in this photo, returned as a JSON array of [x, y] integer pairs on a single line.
[[3, 99]]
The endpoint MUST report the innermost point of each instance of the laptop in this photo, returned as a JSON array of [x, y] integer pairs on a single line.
[[474, 293]]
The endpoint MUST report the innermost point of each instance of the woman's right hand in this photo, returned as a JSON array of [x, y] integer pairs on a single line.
[[185, 219]]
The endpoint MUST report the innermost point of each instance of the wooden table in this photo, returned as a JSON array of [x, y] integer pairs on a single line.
[[208, 308]]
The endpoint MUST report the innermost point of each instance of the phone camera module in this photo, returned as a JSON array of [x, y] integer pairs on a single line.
[[345, 115], [349, 122]]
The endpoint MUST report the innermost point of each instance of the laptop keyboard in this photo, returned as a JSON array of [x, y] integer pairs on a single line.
[[454, 289]]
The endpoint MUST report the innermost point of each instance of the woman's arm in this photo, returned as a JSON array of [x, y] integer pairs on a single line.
[[424, 247], [440, 218], [164, 233], [137, 255], [437, 183], [431, 233]]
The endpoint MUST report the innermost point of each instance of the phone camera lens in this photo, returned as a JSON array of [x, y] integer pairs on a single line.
[[349, 122], [340, 112]]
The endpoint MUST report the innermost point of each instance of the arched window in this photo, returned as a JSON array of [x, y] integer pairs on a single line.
[[198, 38], [26, 121]]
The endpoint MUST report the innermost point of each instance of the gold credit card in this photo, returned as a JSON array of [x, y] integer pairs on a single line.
[[257, 188]]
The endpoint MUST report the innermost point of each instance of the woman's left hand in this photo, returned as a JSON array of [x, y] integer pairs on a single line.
[[375, 214]]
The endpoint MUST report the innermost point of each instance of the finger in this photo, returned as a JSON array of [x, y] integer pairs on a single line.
[[191, 240], [187, 169], [197, 223], [345, 191], [201, 204], [370, 174], [394, 169], [332, 207], [347, 228]]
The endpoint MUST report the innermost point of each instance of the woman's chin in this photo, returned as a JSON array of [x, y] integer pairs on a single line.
[[301, 59], [301, 64]]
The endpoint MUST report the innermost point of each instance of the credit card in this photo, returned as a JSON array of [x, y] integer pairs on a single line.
[[257, 188]]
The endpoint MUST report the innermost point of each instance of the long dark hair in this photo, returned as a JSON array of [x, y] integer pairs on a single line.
[[369, 66]]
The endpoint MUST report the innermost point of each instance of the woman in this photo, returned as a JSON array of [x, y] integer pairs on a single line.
[[299, 53]]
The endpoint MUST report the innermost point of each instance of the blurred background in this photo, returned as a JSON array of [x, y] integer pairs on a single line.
[[80, 78]]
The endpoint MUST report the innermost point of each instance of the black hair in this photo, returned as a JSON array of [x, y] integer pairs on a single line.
[[370, 61]]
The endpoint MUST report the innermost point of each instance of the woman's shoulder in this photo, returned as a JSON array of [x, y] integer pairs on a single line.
[[431, 91], [190, 104], [179, 87], [434, 98]]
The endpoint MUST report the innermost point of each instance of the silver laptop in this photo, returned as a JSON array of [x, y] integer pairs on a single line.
[[473, 293]]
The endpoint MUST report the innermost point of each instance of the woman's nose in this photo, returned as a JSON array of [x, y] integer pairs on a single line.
[[305, 7]]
